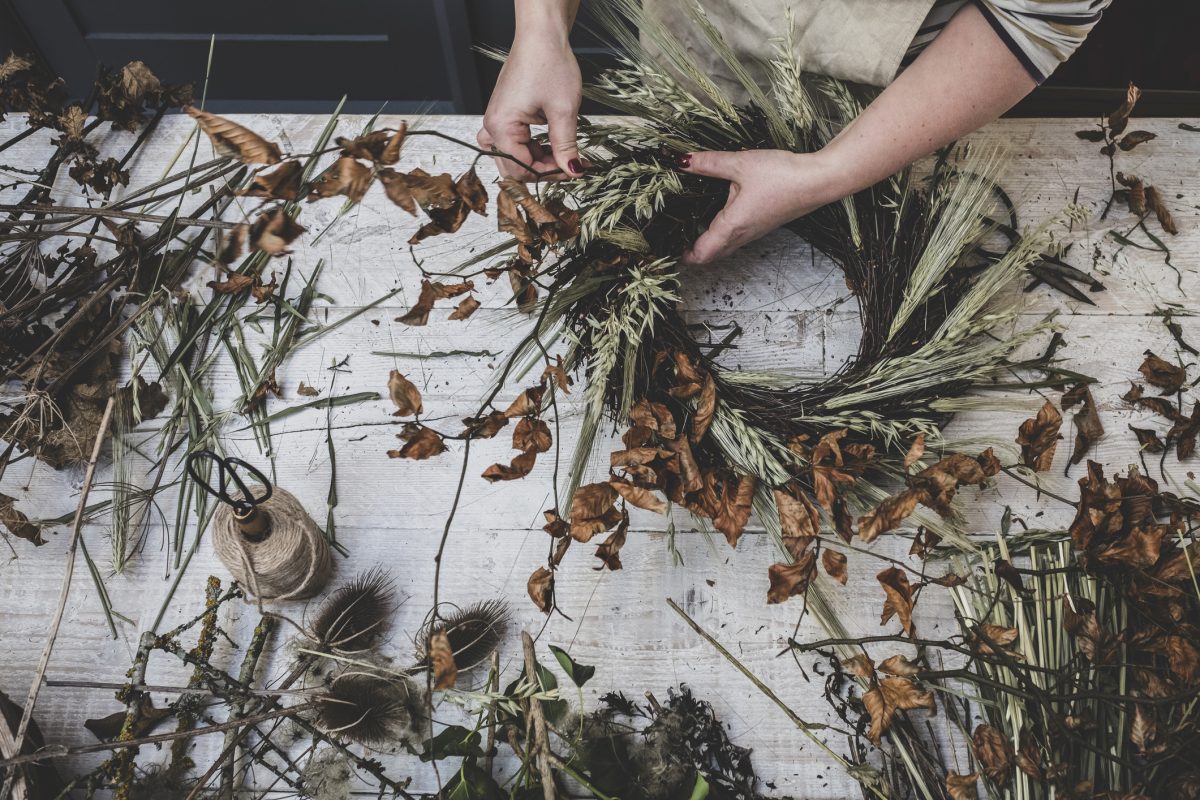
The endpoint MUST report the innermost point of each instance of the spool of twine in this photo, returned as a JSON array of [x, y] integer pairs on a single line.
[[292, 562]]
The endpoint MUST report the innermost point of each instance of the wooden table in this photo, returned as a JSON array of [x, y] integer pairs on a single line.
[[391, 512]]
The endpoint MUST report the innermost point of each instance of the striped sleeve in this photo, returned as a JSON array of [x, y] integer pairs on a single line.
[[1042, 33]]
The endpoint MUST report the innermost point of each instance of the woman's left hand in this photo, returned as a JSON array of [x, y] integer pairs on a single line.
[[768, 188]]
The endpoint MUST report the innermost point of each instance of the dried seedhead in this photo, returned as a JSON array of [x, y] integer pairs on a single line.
[[371, 709], [474, 632], [353, 616]]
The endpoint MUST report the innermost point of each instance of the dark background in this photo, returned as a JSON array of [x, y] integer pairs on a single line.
[[416, 55]]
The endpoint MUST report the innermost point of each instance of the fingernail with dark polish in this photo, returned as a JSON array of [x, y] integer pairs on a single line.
[[684, 161], [576, 166]]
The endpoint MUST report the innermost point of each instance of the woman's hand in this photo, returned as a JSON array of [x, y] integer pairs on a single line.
[[966, 78], [767, 188], [540, 84]]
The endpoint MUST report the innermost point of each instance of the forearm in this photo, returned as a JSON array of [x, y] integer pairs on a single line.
[[966, 78], [545, 18]]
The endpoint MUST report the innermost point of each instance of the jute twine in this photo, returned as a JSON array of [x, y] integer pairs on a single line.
[[292, 563]]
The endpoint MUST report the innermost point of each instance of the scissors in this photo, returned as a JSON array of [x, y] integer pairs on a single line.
[[253, 523]]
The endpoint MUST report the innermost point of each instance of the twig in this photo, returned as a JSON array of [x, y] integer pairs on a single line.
[[492, 685], [59, 751], [19, 740], [541, 738]]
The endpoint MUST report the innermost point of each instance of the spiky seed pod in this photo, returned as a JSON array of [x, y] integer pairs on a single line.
[[474, 632], [354, 615], [370, 709]]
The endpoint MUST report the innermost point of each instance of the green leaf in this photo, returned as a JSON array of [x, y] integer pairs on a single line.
[[700, 790], [453, 741], [472, 783], [578, 673], [325, 402]]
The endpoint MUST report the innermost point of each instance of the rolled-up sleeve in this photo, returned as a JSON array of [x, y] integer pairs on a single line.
[[1043, 33]]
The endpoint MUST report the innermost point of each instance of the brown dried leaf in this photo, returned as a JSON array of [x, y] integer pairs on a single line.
[[1134, 138], [1119, 119], [420, 443], [464, 309], [900, 666], [232, 244], [404, 394], [273, 231], [541, 589], [471, 190], [1038, 437], [419, 314], [860, 666], [789, 580], [262, 292], [346, 176], [527, 402], [834, 564], [1148, 440], [890, 695], [441, 661], [519, 193], [655, 416], [532, 435], [380, 147], [638, 496], [915, 451], [1088, 428], [593, 511], [797, 516], [888, 515], [899, 601], [233, 140], [1136, 196], [987, 637], [520, 466], [509, 220], [609, 551], [441, 221], [419, 188], [962, 787], [281, 183], [995, 754], [733, 507], [559, 375], [1162, 373], [234, 283], [1155, 202], [706, 407], [18, 523]]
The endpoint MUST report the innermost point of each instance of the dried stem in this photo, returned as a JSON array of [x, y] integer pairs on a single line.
[[541, 737], [31, 699]]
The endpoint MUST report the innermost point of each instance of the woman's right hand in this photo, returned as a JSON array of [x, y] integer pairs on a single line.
[[540, 84]]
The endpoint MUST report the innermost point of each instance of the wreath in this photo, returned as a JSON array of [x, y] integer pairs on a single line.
[[719, 442]]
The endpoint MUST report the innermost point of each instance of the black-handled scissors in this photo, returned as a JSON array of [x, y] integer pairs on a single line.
[[227, 473]]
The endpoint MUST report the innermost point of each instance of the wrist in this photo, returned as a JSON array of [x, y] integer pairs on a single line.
[[823, 176], [543, 22]]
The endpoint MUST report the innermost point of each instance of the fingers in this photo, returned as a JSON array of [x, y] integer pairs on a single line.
[[721, 238], [711, 164], [564, 141], [514, 139]]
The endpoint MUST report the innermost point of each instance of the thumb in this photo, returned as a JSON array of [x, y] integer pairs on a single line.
[[564, 142], [714, 164]]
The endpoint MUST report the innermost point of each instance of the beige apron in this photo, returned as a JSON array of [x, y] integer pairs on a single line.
[[855, 40]]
